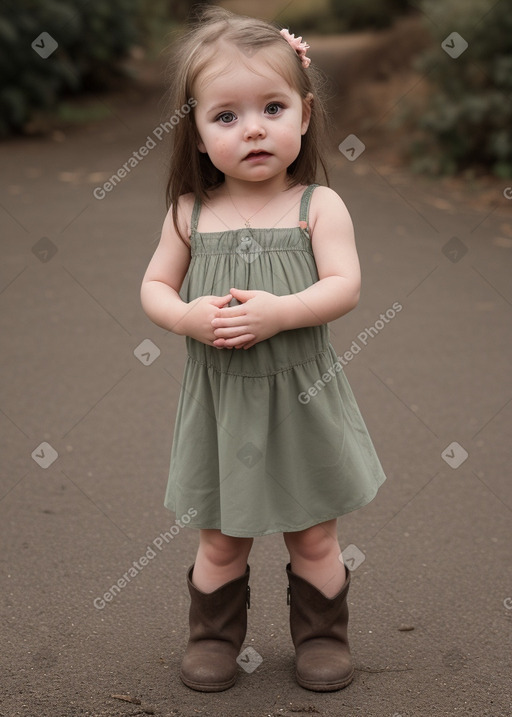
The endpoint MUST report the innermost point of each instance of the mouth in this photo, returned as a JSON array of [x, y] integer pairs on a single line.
[[257, 154]]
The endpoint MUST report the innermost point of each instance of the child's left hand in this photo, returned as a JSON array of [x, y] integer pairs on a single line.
[[255, 319]]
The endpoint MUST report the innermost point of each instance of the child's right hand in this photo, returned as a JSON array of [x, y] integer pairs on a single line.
[[197, 321]]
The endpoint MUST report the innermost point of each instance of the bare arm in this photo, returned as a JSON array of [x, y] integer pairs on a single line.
[[162, 281], [337, 291], [333, 295]]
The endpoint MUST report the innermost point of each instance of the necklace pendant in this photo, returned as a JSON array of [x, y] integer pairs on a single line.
[[247, 224]]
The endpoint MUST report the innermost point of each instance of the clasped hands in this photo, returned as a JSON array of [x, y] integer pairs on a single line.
[[256, 318]]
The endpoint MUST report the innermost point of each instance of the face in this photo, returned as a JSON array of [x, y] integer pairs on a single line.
[[250, 121]]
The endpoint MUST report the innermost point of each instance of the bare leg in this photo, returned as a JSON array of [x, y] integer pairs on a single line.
[[220, 559], [315, 555]]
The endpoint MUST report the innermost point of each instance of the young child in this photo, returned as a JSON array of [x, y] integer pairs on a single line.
[[253, 262]]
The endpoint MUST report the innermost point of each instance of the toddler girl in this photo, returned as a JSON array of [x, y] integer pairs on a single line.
[[254, 260]]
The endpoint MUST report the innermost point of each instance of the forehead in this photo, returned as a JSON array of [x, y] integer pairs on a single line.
[[236, 72]]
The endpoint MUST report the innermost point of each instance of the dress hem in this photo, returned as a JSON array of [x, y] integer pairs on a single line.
[[271, 531]]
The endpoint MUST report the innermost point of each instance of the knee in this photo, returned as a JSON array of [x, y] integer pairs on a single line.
[[222, 550], [313, 544]]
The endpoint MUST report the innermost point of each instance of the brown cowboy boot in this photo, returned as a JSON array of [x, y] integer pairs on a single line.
[[318, 626], [218, 623]]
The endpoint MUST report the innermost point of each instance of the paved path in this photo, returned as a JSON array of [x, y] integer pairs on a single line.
[[431, 604]]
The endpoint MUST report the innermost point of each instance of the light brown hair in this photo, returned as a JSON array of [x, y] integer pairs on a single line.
[[192, 171]]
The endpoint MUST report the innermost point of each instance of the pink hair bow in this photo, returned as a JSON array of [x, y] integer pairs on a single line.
[[299, 46]]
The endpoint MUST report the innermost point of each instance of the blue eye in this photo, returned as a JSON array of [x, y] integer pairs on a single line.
[[273, 108], [226, 117]]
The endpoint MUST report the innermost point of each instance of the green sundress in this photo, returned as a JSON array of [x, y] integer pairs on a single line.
[[268, 439]]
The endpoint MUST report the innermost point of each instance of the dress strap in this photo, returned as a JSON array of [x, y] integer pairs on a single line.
[[195, 215], [304, 202]]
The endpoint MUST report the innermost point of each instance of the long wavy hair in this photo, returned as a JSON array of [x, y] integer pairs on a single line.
[[191, 170]]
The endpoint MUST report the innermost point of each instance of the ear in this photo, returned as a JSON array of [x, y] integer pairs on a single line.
[[307, 104]]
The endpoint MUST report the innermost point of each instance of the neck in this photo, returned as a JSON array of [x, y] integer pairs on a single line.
[[257, 191]]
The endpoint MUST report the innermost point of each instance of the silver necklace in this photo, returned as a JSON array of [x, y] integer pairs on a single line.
[[247, 220]]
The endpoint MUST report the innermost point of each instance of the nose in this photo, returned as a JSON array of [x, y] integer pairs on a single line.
[[254, 128]]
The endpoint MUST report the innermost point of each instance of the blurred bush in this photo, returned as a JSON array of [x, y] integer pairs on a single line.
[[467, 121], [158, 17], [367, 14], [332, 16], [92, 38]]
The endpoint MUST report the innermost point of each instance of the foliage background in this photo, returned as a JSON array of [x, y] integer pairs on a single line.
[[463, 122]]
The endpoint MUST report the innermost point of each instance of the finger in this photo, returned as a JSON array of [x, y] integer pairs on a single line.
[[220, 344], [242, 294], [230, 311], [225, 343], [230, 332], [221, 300], [239, 341], [226, 321]]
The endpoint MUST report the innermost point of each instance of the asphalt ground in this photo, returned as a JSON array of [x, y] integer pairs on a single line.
[[431, 595]]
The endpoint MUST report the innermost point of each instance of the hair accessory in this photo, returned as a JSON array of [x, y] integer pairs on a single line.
[[299, 46]]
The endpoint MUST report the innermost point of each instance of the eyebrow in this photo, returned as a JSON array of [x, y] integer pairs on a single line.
[[277, 95], [221, 105]]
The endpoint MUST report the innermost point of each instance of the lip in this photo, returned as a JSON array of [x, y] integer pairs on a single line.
[[257, 155]]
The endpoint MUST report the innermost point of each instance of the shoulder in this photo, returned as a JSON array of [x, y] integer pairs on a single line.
[[327, 207], [325, 199], [184, 207]]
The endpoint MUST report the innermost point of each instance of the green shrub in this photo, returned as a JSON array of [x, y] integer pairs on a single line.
[[362, 14], [331, 16], [91, 37], [468, 119]]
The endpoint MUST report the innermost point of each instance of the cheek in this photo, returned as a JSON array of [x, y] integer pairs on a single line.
[[221, 148], [292, 137]]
